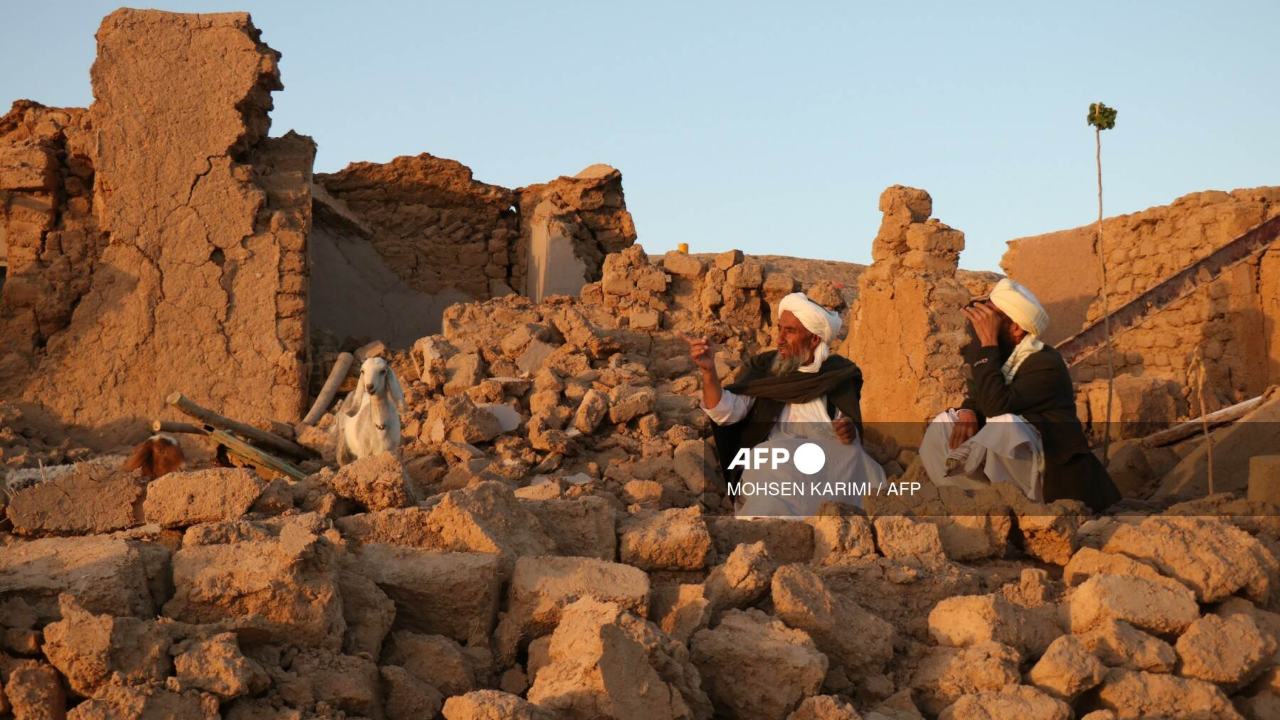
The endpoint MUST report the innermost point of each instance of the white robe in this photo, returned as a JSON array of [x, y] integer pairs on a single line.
[[797, 424], [1006, 449]]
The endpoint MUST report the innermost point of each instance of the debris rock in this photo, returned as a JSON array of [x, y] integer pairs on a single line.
[[217, 666], [605, 662], [945, 674], [850, 637], [1159, 606], [435, 660], [1067, 669], [1229, 652], [492, 705], [106, 575], [93, 497], [754, 667], [1136, 694], [1020, 701], [181, 499], [440, 593], [824, 707], [1119, 644], [1208, 554], [541, 587], [407, 697], [92, 649], [969, 619], [282, 590], [675, 539], [377, 482]]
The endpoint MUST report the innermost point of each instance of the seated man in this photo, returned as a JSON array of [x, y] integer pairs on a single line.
[[797, 395], [1018, 423]]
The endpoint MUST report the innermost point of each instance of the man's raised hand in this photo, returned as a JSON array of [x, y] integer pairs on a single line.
[[702, 353], [985, 321]]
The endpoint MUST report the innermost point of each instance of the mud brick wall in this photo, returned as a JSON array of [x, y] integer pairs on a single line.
[[434, 225], [567, 227], [202, 285], [1231, 323], [48, 235], [1228, 322]]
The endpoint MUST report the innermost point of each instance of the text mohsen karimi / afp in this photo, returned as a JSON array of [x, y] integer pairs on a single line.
[[820, 488]]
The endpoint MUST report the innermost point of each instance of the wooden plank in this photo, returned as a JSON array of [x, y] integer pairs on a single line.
[[341, 367], [254, 455], [1093, 337], [267, 439], [1184, 430]]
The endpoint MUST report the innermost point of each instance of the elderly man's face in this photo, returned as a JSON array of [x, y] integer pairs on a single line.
[[795, 342]]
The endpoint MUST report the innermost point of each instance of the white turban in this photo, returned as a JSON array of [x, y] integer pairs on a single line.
[[815, 318], [1021, 306]]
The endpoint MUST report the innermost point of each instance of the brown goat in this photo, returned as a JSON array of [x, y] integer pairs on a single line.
[[156, 456]]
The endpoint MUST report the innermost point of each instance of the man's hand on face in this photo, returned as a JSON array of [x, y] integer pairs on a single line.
[[702, 353], [845, 430], [985, 320], [966, 426]]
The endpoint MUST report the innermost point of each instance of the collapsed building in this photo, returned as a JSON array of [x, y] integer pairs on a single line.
[[552, 540], [132, 274]]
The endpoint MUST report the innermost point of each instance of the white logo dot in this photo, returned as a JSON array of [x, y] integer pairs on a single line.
[[809, 458]]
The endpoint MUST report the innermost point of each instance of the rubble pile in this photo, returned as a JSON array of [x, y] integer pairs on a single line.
[[552, 542]]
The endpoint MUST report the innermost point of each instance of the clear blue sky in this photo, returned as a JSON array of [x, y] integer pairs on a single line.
[[767, 127]]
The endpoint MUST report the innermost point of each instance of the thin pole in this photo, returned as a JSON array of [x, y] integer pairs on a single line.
[[1106, 306]]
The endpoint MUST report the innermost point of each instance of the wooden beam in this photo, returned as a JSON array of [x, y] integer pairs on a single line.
[[173, 426], [1184, 430], [255, 456], [1196, 275], [209, 417], [341, 367]]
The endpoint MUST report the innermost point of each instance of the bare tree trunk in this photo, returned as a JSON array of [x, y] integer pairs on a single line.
[[1106, 305]]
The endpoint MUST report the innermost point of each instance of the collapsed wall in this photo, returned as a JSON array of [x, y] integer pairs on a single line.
[[1230, 322], [201, 284], [906, 330], [397, 243], [567, 227]]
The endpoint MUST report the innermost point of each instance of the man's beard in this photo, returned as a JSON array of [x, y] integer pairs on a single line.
[[784, 364]]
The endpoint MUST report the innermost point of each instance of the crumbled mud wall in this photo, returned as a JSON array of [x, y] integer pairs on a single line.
[[567, 227], [906, 329], [435, 226], [48, 235], [399, 242], [202, 285]]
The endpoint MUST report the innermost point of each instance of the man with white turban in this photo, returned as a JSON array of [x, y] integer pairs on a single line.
[[1018, 423], [795, 396]]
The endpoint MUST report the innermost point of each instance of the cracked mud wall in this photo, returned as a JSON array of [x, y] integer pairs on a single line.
[[202, 285]]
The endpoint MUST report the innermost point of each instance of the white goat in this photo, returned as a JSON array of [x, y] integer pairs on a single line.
[[368, 421]]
